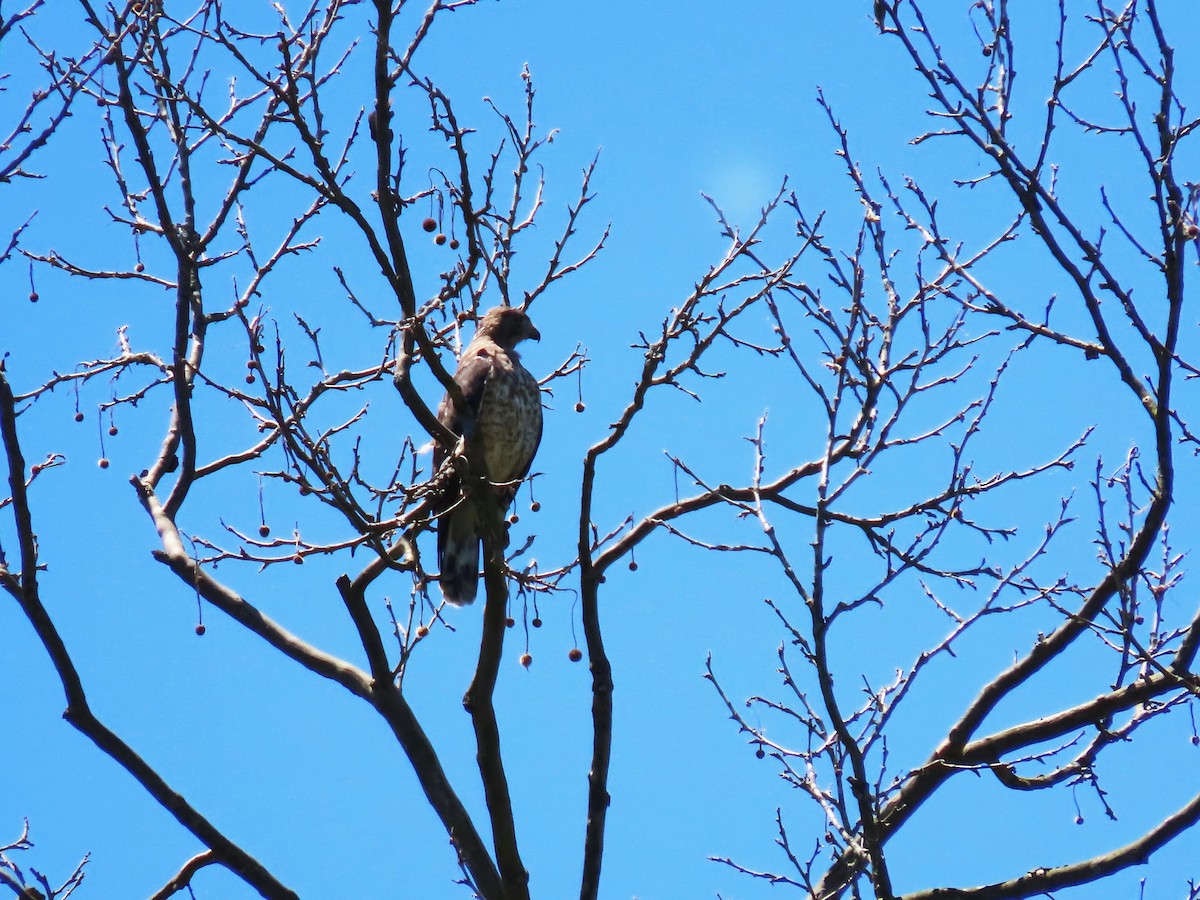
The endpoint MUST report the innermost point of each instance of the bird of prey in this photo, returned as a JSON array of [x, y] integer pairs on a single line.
[[501, 425]]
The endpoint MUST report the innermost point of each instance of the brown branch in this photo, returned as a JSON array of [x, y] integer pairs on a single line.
[[183, 878], [602, 724], [478, 700], [1042, 881]]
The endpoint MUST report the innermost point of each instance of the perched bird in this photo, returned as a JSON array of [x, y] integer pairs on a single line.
[[502, 422]]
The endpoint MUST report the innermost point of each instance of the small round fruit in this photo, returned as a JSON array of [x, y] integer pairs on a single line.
[[422, 631], [78, 417], [575, 654], [536, 623], [430, 224], [264, 529], [140, 267], [103, 462], [249, 378], [112, 430], [760, 753], [441, 239], [534, 506], [633, 565], [33, 297], [298, 559], [454, 245], [200, 629], [509, 622], [526, 660], [34, 469], [579, 407]]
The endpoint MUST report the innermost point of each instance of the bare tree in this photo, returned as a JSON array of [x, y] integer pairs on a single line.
[[885, 349], [188, 162], [232, 163]]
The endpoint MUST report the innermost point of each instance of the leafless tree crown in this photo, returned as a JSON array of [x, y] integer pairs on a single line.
[[234, 159]]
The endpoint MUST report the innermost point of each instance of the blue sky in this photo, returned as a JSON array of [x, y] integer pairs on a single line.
[[720, 100]]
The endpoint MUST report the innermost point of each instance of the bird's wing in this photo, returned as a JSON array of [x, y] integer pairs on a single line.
[[471, 377]]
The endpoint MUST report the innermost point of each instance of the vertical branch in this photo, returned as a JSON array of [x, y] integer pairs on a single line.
[[386, 195], [860, 784], [478, 702], [602, 723]]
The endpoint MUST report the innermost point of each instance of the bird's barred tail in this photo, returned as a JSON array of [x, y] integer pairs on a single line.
[[458, 555]]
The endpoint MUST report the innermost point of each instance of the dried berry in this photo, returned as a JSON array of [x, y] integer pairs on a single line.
[[441, 239], [422, 631], [579, 407], [526, 660], [103, 462], [78, 417], [536, 623], [429, 225], [200, 629], [264, 529], [575, 654]]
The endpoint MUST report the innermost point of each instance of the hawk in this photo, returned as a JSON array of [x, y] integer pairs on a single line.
[[501, 424]]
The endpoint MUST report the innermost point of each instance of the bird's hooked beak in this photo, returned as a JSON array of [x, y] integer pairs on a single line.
[[534, 333]]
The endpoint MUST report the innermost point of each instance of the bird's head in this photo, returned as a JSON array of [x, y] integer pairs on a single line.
[[507, 326]]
